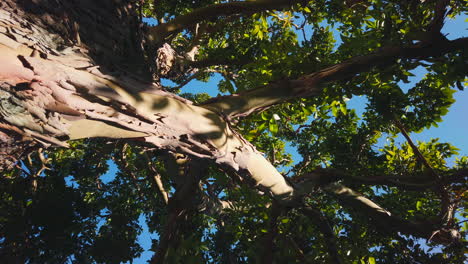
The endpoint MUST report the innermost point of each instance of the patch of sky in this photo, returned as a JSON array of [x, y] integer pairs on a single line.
[[290, 148], [456, 27], [453, 128], [70, 182], [150, 21], [25, 168], [196, 86], [103, 219], [358, 103], [145, 241], [110, 174], [417, 74]]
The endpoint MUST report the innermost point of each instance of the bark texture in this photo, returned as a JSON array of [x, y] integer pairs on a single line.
[[65, 94]]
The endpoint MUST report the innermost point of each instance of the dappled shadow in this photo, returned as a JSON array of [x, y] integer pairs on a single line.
[[109, 29]]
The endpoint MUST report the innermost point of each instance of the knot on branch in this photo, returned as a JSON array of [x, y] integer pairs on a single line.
[[172, 65], [165, 59], [446, 236]]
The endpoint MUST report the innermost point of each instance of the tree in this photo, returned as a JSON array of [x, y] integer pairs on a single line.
[[82, 85]]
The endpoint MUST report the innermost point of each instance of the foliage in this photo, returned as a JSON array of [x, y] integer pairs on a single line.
[[96, 198]]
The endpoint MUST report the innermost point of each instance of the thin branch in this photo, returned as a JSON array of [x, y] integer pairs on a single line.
[[447, 207], [299, 252], [157, 179], [415, 149], [159, 184], [208, 62], [44, 161]]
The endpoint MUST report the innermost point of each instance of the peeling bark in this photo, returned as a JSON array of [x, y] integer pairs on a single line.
[[64, 96]]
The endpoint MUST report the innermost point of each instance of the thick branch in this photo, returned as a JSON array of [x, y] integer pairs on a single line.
[[213, 11], [243, 104]]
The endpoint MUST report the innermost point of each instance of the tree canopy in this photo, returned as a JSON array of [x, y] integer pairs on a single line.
[[287, 71]]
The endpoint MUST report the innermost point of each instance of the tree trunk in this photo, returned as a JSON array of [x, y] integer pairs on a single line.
[[60, 83]]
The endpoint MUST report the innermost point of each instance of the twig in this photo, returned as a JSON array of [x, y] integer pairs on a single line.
[[157, 179], [416, 151], [446, 212], [299, 252]]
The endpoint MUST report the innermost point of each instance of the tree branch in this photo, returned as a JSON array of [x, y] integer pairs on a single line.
[[157, 179], [243, 104], [446, 206], [386, 221], [268, 242], [161, 31], [178, 206], [327, 180], [417, 153], [327, 231], [440, 13]]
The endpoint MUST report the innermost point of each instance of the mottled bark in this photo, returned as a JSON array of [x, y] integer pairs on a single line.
[[64, 95]]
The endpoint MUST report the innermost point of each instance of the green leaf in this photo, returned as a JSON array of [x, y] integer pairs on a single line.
[[371, 260], [343, 109], [418, 205], [273, 127], [334, 111]]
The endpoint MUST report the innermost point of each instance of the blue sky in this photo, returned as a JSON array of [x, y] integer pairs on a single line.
[[453, 129]]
